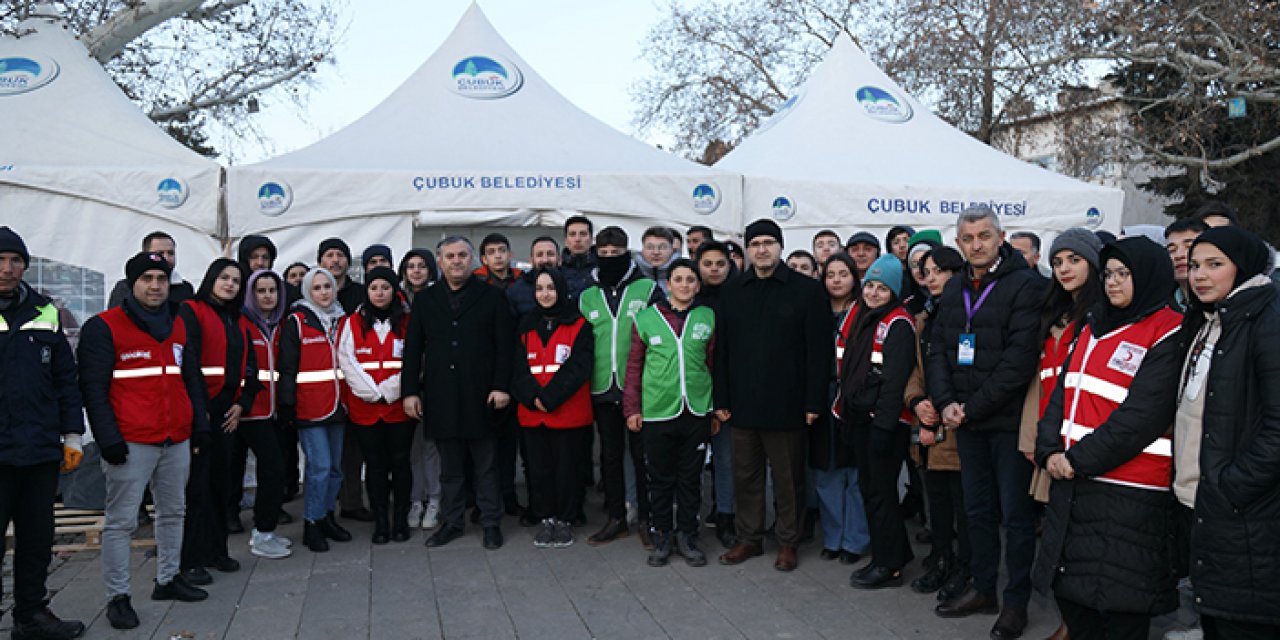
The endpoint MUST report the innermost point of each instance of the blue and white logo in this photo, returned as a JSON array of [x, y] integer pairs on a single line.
[[783, 208], [274, 198], [882, 105], [706, 198], [1093, 218], [20, 74], [172, 193], [486, 77]]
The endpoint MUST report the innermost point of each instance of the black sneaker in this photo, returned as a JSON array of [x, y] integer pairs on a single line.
[[46, 626], [661, 549], [120, 613], [178, 589], [545, 537], [334, 531], [197, 576], [563, 536]]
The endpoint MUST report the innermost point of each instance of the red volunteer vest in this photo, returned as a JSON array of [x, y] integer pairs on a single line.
[[380, 360], [1096, 381], [318, 387], [1052, 356], [265, 349], [147, 395], [877, 346], [544, 361], [842, 340], [213, 349]]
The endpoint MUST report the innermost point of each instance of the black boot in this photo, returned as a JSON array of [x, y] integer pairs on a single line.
[[334, 531], [726, 531], [313, 536], [400, 523], [45, 625], [381, 526], [936, 576]]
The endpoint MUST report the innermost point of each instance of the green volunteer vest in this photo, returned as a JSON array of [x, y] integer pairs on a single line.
[[46, 321], [675, 367], [613, 334]]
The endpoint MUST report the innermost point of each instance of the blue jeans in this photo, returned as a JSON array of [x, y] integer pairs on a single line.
[[995, 476], [322, 478], [843, 517], [722, 469]]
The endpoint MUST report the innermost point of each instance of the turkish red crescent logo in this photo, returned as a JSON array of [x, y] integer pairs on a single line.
[[1128, 356]]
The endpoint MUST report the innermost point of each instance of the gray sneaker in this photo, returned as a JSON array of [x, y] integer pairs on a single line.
[[563, 536], [268, 545], [545, 538]]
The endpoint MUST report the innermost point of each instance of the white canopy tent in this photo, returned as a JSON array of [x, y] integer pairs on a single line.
[[84, 175], [853, 151], [474, 138]]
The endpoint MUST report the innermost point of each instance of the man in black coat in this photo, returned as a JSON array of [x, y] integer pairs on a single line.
[[457, 373], [163, 244], [773, 358], [984, 352]]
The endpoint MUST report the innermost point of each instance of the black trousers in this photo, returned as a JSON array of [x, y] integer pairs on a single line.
[[1084, 623], [509, 445], [946, 513], [26, 499], [996, 476], [287, 435], [555, 455], [263, 438], [204, 531], [386, 458], [614, 440], [675, 470], [1223, 629], [351, 495], [878, 468], [454, 454]]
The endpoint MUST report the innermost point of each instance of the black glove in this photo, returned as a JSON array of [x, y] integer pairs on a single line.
[[115, 454], [200, 440]]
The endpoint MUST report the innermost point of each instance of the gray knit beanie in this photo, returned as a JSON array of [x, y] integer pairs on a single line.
[[1080, 240]]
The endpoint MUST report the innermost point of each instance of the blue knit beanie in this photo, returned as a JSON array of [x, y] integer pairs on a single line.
[[888, 270]]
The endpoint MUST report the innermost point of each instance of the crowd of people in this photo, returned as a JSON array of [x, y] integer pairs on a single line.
[[1124, 410]]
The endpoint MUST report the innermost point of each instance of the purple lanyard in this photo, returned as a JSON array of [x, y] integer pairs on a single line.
[[971, 309]]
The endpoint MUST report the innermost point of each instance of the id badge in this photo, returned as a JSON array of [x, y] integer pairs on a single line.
[[964, 354]]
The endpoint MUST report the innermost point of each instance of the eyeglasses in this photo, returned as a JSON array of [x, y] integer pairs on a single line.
[[761, 243], [1119, 274]]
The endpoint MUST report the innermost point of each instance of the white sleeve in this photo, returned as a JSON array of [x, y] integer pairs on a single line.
[[390, 388], [359, 380]]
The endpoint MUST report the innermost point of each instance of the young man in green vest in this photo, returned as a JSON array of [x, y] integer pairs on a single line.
[[667, 398], [610, 305]]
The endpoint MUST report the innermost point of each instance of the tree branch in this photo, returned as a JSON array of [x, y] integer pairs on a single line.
[[109, 38], [1202, 162], [177, 111]]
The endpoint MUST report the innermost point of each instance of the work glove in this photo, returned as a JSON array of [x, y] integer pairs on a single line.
[[72, 452], [116, 454]]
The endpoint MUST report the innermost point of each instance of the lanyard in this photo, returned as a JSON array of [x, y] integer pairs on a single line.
[[971, 309]]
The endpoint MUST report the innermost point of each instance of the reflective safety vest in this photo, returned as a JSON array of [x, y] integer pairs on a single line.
[[1052, 356], [544, 361], [319, 388], [676, 372], [900, 314], [265, 349], [213, 348], [147, 395], [1096, 380], [46, 320], [842, 340], [613, 333], [381, 360]]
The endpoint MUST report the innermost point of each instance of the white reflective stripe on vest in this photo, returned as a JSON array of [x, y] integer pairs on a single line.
[[1095, 385], [268, 376], [213, 371], [537, 369], [326, 375], [374, 366], [839, 354], [877, 357], [1048, 372], [145, 372], [1075, 432]]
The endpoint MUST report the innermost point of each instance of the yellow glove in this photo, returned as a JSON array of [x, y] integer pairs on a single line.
[[72, 452]]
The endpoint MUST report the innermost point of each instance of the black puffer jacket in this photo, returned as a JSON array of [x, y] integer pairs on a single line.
[[1006, 333], [1235, 540]]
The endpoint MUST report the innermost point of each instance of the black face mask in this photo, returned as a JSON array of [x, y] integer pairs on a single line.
[[613, 268]]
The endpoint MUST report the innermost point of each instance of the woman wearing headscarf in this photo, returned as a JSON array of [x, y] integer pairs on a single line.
[[417, 272], [309, 394], [877, 362], [1105, 551], [370, 348], [551, 386], [217, 339], [1227, 435]]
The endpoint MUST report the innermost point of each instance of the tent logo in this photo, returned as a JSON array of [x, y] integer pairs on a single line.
[[20, 74], [882, 105], [1093, 217], [274, 198], [172, 193], [706, 199], [783, 208], [486, 78]]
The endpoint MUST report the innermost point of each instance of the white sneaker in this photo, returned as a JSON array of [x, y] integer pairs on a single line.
[[1195, 633], [268, 545], [416, 511], [431, 518]]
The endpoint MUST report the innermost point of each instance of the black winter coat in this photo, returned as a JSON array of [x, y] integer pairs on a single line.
[[453, 359], [1235, 539], [773, 350], [1006, 331], [39, 397]]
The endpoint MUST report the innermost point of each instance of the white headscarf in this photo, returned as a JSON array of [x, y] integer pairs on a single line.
[[328, 316]]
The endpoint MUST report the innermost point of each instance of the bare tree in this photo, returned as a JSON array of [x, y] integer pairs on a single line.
[[195, 63]]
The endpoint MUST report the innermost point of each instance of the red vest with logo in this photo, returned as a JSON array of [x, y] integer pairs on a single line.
[[148, 397], [842, 340], [213, 349], [319, 388], [265, 349], [1096, 381], [900, 314], [544, 361], [1052, 356], [381, 360]]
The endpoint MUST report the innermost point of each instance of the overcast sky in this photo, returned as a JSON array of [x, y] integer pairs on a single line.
[[588, 50]]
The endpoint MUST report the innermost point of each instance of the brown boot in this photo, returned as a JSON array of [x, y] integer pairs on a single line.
[[741, 552], [786, 558]]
